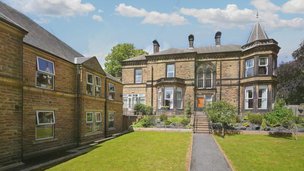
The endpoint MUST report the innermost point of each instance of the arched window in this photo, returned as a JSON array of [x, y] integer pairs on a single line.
[[205, 76]]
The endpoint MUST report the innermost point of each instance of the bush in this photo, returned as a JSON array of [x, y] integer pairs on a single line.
[[246, 124], [143, 109], [185, 121], [263, 124], [255, 118], [163, 117], [188, 110], [146, 121], [280, 116]]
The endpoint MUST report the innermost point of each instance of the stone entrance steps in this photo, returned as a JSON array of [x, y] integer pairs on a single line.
[[201, 124]]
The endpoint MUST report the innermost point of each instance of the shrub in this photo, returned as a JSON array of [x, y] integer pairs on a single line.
[[246, 124], [163, 117], [167, 122], [280, 116], [188, 110], [223, 113], [146, 121], [144, 109], [263, 124], [255, 118], [185, 121]]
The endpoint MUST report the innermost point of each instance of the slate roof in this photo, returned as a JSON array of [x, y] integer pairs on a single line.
[[200, 50], [112, 77], [257, 33], [38, 36]]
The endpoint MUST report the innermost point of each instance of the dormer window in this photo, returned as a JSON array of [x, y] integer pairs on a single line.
[[263, 66], [170, 70], [45, 73], [249, 72]]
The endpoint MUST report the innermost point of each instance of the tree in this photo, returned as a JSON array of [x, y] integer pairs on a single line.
[[291, 78], [119, 53]]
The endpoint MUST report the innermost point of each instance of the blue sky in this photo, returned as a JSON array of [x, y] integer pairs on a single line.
[[93, 27]]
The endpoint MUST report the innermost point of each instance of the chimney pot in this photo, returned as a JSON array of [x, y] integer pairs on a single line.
[[217, 38], [155, 46], [191, 40]]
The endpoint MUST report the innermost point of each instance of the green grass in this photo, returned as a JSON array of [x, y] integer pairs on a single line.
[[135, 151], [262, 152]]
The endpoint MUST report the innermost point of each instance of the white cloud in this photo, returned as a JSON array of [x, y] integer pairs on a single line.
[[97, 18], [54, 8], [230, 16], [265, 5], [152, 17], [293, 6]]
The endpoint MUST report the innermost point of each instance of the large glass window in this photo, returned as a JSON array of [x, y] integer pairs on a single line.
[[170, 70], [170, 97], [249, 68], [263, 66], [93, 121], [90, 84], [45, 73], [138, 75], [45, 121], [205, 76], [249, 97], [111, 118], [132, 99], [111, 91], [98, 86], [262, 97]]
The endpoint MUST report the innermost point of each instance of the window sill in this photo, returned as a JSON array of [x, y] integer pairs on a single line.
[[52, 89], [45, 140]]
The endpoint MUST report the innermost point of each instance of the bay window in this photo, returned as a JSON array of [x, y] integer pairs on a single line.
[[249, 97], [179, 98], [170, 97], [249, 68], [262, 97], [45, 73], [263, 66]]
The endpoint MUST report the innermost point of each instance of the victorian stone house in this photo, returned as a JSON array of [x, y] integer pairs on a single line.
[[51, 96], [243, 75]]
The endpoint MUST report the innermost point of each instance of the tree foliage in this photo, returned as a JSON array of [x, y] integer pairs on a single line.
[[119, 53], [291, 78]]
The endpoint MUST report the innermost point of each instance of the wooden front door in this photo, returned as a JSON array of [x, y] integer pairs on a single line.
[[200, 102]]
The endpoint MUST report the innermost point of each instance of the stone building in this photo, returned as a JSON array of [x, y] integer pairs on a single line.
[[243, 75], [51, 96]]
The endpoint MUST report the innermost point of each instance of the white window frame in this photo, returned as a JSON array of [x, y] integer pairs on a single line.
[[249, 67], [38, 124], [263, 99], [37, 117], [89, 122], [97, 85], [247, 89], [98, 113], [265, 65], [44, 72], [178, 89], [171, 99], [138, 76], [88, 83], [111, 120], [211, 78], [160, 98], [170, 72]]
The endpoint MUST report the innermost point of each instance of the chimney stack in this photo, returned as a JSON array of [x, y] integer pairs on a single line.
[[191, 41], [217, 38], [155, 46]]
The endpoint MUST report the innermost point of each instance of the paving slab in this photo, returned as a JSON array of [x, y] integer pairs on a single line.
[[206, 156]]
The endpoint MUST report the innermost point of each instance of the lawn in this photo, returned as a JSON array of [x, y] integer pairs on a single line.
[[262, 152], [136, 151]]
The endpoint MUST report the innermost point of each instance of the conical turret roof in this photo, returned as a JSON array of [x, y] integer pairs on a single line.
[[257, 33]]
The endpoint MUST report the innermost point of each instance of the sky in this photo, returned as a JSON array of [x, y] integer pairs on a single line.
[[93, 27]]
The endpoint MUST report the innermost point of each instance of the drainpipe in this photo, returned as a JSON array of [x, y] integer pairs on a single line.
[[152, 86], [105, 107], [221, 80], [239, 87], [78, 103]]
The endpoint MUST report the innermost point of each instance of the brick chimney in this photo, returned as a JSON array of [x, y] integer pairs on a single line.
[[191, 41], [155, 46], [217, 38]]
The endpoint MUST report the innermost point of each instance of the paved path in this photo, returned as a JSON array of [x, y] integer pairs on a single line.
[[206, 156]]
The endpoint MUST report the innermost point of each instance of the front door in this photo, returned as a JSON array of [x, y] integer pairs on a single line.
[[200, 103]]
